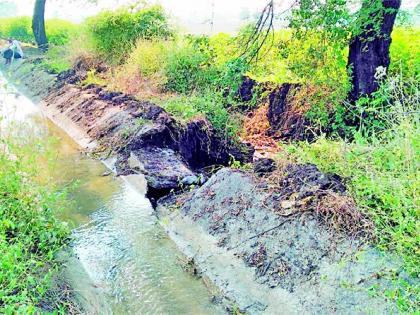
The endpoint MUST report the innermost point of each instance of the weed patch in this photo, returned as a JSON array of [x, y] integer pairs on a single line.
[[30, 235], [209, 105], [383, 177]]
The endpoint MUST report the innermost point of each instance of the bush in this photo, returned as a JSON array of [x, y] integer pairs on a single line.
[[17, 27], [370, 116], [149, 57], [115, 32], [58, 31], [189, 69], [143, 71], [30, 235]]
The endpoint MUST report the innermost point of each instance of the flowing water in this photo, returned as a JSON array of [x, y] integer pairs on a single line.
[[122, 262]]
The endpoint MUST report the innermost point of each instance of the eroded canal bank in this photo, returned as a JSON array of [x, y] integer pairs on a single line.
[[121, 260], [268, 247]]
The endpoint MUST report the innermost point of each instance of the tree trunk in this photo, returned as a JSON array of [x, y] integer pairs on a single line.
[[38, 25], [370, 49]]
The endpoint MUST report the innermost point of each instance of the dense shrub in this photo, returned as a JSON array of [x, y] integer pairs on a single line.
[[115, 32], [189, 69], [58, 31]]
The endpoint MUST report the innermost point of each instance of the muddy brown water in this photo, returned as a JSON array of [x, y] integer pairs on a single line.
[[122, 262]]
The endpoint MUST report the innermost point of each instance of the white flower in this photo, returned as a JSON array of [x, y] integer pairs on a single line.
[[380, 73]]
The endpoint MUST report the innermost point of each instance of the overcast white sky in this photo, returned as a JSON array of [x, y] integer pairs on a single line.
[[192, 15]]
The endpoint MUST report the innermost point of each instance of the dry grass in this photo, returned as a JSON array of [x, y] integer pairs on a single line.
[[340, 213], [80, 48], [337, 210], [135, 84]]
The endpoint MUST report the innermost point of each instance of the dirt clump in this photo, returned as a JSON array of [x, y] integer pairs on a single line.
[[201, 146], [264, 166], [256, 132]]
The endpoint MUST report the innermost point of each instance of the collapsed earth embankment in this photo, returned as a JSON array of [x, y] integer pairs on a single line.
[[275, 241]]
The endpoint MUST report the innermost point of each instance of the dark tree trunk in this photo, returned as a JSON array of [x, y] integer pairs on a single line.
[[370, 49], [38, 25]]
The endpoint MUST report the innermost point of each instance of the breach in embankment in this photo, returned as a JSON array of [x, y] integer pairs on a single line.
[[271, 238]]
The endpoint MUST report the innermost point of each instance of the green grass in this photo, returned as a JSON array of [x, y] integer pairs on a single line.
[[384, 179], [17, 27], [208, 105], [405, 52], [30, 234], [55, 60]]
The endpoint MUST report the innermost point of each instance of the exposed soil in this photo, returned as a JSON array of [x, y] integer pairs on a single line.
[[286, 250]]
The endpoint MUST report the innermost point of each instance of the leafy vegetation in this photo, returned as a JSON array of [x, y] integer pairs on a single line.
[[188, 69], [208, 105], [17, 27], [59, 31], [54, 62], [115, 32], [30, 234], [382, 168], [384, 176]]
